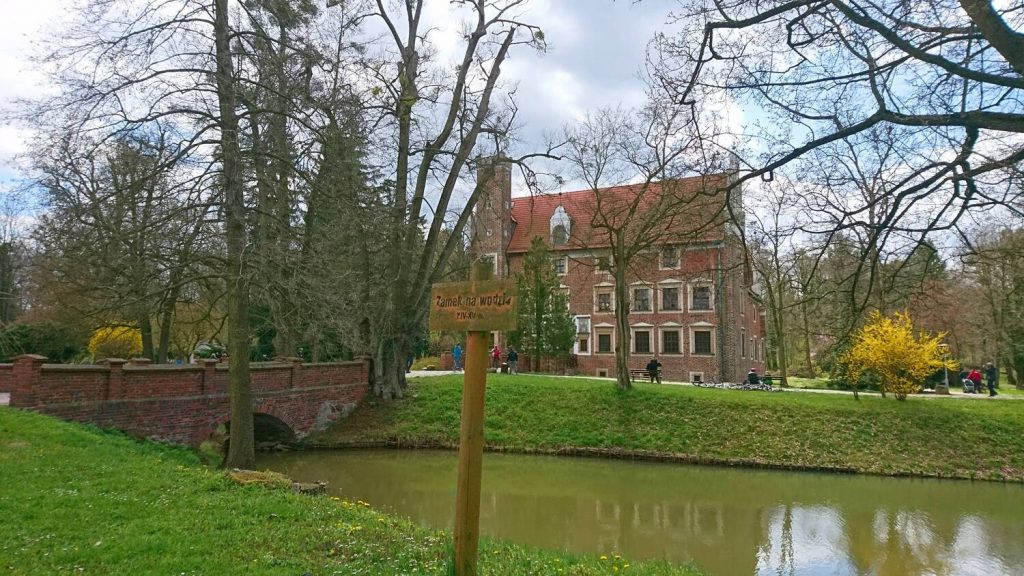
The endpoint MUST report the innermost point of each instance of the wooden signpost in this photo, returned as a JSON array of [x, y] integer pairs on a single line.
[[478, 307]]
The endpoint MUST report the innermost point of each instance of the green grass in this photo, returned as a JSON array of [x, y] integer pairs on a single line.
[[784, 429], [75, 499], [797, 382]]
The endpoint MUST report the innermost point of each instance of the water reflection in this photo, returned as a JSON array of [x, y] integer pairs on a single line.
[[729, 521]]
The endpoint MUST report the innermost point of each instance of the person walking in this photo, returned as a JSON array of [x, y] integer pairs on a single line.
[[654, 370], [457, 357], [991, 378], [513, 361], [495, 357]]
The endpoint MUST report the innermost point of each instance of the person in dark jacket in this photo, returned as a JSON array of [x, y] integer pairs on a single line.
[[991, 376], [654, 370], [513, 361], [752, 378]]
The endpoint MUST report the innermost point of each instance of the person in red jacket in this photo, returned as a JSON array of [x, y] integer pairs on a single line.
[[975, 378], [496, 357]]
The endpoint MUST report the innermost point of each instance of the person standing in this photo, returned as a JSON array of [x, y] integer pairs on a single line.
[[495, 357], [513, 361], [991, 377], [654, 370], [975, 378], [457, 356]]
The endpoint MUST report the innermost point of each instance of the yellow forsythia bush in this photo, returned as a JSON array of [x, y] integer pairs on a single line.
[[887, 346], [115, 342]]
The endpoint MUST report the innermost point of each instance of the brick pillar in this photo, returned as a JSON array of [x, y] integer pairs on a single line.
[[26, 375], [367, 369], [209, 375], [116, 385], [296, 377]]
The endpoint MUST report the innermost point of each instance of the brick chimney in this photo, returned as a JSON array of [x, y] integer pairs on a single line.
[[492, 222]]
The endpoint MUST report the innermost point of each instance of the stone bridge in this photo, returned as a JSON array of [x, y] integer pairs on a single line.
[[185, 404]]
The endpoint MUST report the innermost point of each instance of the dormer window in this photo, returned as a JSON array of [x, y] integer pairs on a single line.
[[561, 226], [559, 235]]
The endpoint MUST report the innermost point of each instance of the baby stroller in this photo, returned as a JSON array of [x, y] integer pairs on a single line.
[[969, 386]]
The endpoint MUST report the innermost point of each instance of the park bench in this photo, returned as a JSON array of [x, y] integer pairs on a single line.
[[641, 373]]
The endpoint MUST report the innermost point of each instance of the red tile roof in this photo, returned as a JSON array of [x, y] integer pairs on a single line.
[[531, 215]]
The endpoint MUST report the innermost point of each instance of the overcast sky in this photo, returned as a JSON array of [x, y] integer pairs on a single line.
[[596, 49]]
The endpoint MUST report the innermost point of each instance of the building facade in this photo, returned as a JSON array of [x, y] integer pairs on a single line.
[[691, 298]]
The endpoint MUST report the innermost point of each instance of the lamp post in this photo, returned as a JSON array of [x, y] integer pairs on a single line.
[[944, 351]]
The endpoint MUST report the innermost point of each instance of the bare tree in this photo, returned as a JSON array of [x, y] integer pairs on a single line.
[[433, 116], [633, 165], [942, 78]]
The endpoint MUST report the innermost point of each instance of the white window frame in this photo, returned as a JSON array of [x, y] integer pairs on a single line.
[[677, 329], [576, 345], [650, 296], [680, 293], [661, 258], [576, 320], [564, 261], [702, 326], [690, 289], [699, 375], [598, 330], [642, 327], [604, 288], [743, 343]]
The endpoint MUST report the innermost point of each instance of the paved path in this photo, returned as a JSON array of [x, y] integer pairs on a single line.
[[954, 393]]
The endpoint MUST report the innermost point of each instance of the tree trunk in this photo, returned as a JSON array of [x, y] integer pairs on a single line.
[[241, 451], [146, 328], [808, 363], [622, 327]]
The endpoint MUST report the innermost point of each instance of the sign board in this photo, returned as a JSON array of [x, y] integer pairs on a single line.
[[481, 306]]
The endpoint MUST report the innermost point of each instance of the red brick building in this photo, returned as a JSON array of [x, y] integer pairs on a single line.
[[691, 295]]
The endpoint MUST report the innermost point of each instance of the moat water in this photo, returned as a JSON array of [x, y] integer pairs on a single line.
[[728, 521]]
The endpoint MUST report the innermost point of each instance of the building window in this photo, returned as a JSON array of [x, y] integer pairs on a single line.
[[604, 342], [670, 258], [670, 342], [641, 341], [603, 264], [492, 259], [642, 299], [583, 324], [700, 298], [701, 341], [602, 372], [560, 224], [670, 298], [604, 300], [583, 345], [743, 343], [559, 235], [561, 265], [696, 376]]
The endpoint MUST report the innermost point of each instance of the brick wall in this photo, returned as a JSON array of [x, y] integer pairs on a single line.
[[183, 404], [734, 313]]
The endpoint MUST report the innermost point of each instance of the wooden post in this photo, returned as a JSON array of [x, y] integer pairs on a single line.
[[471, 443]]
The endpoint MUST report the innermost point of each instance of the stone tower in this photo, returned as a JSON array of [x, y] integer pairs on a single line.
[[491, 227]]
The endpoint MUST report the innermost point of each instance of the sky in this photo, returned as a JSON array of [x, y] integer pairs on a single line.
[[595, 52]]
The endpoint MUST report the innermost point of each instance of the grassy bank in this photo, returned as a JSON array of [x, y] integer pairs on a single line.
[[76, 500], [941, 437]]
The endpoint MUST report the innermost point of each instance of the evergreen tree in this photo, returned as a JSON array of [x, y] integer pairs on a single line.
[[546, 327]]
